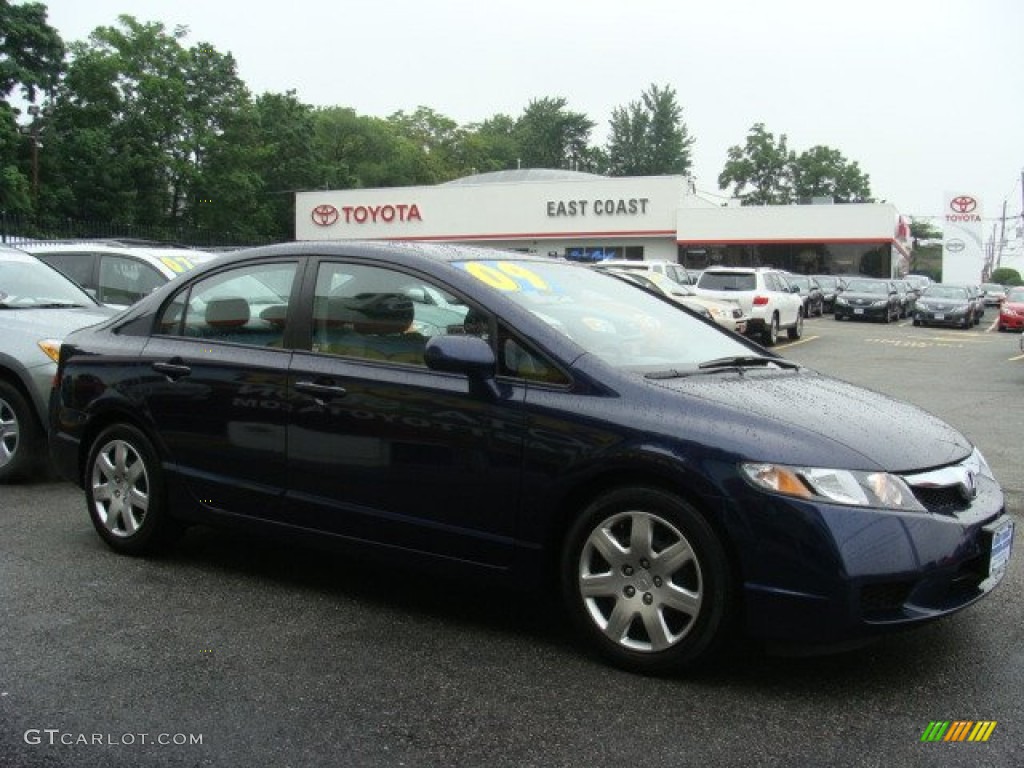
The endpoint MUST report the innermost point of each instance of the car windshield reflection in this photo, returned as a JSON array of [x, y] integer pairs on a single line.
[[607, 317]]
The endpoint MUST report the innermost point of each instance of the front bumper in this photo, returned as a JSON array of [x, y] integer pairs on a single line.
[[852, 312], [1013, 322], [929, 316], [831, 575]]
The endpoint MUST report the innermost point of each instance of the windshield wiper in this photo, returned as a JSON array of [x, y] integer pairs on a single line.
[[748, 361], [55, 305]]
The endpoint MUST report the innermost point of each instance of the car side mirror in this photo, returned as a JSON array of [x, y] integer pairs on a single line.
[[468, 355]]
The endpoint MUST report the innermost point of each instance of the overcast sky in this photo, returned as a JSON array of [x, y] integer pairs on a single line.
[[927, 96]]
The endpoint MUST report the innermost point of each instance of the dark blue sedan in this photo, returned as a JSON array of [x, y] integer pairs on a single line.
[[533, 419]]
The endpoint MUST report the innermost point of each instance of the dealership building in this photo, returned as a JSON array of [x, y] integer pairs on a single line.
[[586, 217]]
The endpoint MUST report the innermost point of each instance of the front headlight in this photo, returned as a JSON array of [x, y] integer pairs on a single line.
[[841, 300], [837, 486], [879, 303]]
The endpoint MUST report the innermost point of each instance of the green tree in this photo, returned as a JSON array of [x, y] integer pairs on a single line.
[[488, 146], [31, 51], [437, 137], [550, 136], [31, 61], [824, 172], [136, 118], [648, 137], [923, 229], [1006, 276], [764, 165]]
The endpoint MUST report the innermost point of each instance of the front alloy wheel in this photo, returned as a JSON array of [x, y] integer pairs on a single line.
[[646, 579], [22, 443]]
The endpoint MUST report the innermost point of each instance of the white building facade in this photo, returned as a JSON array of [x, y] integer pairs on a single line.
[[590, 218]]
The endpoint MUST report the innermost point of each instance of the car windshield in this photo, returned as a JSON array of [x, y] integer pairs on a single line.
[[1015, 295], [607, 316], [28, 284], [945, 292], [866, 286], [799, 280], [827, 283]]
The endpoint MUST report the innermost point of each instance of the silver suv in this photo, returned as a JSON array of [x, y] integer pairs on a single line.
[[770, 302], [38, 307]]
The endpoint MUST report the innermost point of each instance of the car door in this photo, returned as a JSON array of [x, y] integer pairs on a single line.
[[218, 394], [382, 449]]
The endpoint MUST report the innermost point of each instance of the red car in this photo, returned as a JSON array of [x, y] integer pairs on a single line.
[[1011, 313]]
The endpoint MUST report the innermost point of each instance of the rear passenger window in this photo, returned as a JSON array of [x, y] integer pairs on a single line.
[[125, 281], [242, 306]]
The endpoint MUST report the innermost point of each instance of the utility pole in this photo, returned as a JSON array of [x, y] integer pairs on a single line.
[[1002, 238]]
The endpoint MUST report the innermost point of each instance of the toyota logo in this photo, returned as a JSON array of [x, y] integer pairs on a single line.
[[324, 215], [963, 204], [955, 245]]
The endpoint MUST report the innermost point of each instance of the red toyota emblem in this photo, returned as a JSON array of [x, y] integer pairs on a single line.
[[324, 215], [963, 204]]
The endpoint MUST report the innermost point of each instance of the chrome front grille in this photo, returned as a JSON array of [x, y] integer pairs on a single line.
[[945, 491]]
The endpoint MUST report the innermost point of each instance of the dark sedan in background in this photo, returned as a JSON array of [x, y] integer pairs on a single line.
[[941, 304], [865, 298], [830, 286], [562, 428]]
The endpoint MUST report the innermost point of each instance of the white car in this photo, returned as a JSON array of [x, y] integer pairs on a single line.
[[114, 273], [726, 313], [669, 269], [766, 297]]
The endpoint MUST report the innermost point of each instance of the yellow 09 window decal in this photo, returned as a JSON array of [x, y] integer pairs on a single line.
[[507, 276], [177, 264]]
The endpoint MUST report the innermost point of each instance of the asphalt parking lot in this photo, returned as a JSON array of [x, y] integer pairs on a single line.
[[236, 652]]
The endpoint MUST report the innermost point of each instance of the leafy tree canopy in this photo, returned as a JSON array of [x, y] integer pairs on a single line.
[[648, 137], [31, 51], [764, 171]]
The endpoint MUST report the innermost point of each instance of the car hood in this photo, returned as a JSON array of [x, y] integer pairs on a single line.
[[806, 418], [50, 323], [941, 301], [859, 296]]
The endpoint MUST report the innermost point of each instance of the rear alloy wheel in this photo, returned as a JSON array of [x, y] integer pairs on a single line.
[[797, 330], [647, 581], [21, 438], [124, 489]]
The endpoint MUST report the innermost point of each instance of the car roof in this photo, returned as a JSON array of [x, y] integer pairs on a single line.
[[151, 254], [13, 254]]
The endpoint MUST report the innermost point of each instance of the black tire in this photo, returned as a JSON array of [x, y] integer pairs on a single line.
[[22, 438], [123, 466], [770, 336], [659, 590], [797, 330]]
